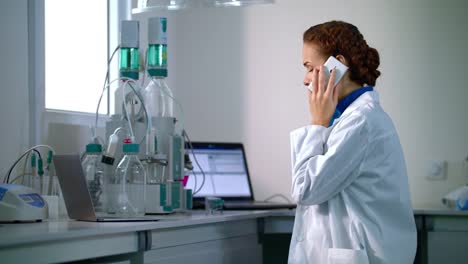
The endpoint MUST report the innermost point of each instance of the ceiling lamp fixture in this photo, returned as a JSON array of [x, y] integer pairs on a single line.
[[158, 5], [145, 6], [241, 2]]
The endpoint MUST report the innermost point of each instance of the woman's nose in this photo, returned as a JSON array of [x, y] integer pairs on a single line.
[[306, 81]]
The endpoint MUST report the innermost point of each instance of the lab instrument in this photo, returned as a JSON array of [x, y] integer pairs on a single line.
[[129, 44], [145, 117], [457, 199], [19, 203], [165, 147]]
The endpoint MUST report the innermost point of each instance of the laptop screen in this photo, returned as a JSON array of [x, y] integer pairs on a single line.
[[225, 168]]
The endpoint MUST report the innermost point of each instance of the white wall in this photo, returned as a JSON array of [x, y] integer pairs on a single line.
[[14, 101], [239, 78]]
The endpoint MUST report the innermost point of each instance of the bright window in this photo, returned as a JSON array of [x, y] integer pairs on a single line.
[[75, 54]]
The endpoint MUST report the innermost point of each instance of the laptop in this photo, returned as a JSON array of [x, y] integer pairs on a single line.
[[226, 176], [76, 194]]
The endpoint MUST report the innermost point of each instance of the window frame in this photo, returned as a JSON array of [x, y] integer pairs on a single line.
[[40, 116]]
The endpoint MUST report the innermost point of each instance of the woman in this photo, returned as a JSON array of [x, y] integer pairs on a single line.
[[349, 174]]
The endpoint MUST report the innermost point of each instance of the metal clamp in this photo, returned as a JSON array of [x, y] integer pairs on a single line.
[[159, 159]]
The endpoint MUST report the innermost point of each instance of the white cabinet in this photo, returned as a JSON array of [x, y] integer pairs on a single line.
[[223, 243], [447, 239], [445, 247]]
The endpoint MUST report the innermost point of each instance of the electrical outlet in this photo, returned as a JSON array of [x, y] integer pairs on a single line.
[[437, 170]]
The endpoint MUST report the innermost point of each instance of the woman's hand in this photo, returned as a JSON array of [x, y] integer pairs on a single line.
[[324, 97]]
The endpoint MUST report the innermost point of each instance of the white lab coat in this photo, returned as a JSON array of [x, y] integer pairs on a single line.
[[351, 187]]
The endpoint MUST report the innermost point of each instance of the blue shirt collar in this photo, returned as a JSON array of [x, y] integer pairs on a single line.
[[348, 100]]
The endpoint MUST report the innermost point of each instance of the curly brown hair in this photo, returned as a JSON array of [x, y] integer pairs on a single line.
[[341, 38]]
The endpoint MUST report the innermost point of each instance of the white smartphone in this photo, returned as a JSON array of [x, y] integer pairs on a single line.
[[333, 63]]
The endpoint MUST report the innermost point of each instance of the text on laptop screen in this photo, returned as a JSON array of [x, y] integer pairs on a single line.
[[225, 173]]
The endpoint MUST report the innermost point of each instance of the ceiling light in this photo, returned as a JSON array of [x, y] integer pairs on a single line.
[[241, 2], [145, 6]]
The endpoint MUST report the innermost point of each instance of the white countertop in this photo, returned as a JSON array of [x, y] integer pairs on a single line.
[[21, 233], [417, 210], [24, 233], [436, 209]]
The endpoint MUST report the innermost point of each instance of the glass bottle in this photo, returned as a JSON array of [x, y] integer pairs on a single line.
[[127, 190], [159, 104], [158, 96], [94, 171]]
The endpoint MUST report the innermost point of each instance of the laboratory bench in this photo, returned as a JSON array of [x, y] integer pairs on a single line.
[[442, 235], [197, 237], [227, 237]]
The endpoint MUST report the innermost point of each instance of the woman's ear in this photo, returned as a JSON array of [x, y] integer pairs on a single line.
[[342, 59]]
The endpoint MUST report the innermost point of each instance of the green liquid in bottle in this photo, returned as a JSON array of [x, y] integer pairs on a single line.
[[157, 60], [129, 63]]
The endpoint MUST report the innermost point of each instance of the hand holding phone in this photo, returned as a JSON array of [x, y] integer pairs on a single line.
[[324, 99], [333, 63]]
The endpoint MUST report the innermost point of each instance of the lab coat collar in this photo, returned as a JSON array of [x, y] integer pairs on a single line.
[[347, 101], [365, 98], [350, 98]]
